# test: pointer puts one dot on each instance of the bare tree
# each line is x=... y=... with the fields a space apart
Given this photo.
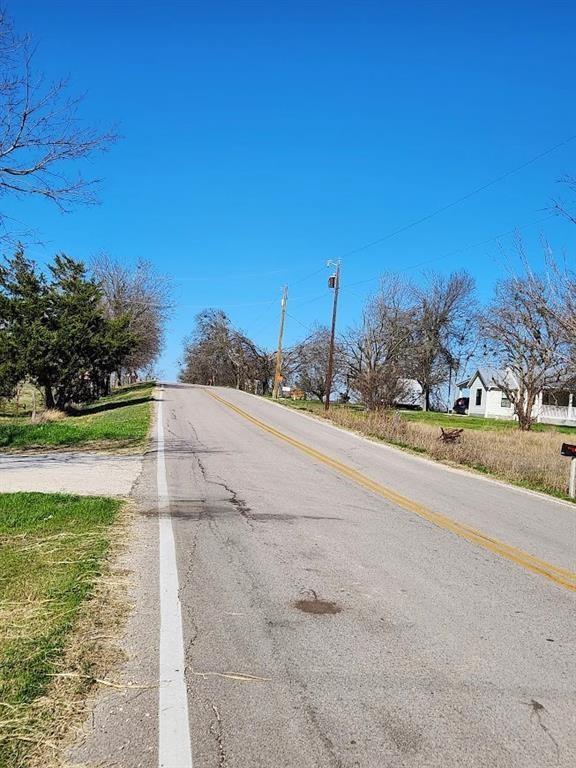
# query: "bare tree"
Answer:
x=376 y=351
x=443 y=314
x=310 y=363
x=560 y=296
x=40 y=131
x=558 y=299
x=206 y=352
x=219 y=354
x=561 y=301
x=567 y=210
x=527 y=342
x=253 y=365
x=144 y=297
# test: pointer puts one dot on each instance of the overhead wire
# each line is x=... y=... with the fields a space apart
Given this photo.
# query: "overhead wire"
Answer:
x=303 y=301
x=308 y=328
x=460 y=199
x=456 y=251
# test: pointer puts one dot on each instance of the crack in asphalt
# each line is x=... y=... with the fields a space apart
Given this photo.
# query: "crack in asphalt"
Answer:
x=216 y=731
x=236 y=501
x=537 y=710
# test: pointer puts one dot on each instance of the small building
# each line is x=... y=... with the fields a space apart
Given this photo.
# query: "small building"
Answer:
x=411 y=397
x=486 y=395
x=488 y=398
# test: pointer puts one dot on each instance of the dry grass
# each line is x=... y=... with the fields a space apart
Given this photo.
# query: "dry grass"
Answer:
x=529 y=459
x=48 y=416
x=46 y=725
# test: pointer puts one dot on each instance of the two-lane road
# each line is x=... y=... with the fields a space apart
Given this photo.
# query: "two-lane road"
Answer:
x=341 y=603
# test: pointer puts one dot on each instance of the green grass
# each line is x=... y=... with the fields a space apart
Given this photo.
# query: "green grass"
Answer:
x=450 y=420
x=446 y=420
x=315 y=406
x=51 y=551
x=120 y=420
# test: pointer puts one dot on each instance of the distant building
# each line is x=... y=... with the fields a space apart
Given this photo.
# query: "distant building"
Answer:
x=488 y=399
x=412 y=395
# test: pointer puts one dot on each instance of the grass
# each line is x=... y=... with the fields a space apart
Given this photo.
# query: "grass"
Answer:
x=118 y=421
x=23 y=403
x=452 y=420
x=52 y=549
x=446 y=420
x=491 y=446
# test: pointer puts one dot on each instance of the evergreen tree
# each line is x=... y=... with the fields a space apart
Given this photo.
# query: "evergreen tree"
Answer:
x=54 y=332
x=24 y=335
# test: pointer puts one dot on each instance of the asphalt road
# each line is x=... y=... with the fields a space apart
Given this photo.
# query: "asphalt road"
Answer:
x=342 y=604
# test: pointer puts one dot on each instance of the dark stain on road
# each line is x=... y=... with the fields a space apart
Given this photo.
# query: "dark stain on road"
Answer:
x=316 y=606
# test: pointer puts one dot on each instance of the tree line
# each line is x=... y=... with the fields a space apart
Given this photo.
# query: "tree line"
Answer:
x=406 y=332
x=70 y=329
x=431 y=332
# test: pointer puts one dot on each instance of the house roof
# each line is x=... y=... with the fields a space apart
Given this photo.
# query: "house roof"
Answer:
x=491 y=378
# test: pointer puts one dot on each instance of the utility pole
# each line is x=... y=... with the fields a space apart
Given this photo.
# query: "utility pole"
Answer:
x=334 y=283
x=278 y=371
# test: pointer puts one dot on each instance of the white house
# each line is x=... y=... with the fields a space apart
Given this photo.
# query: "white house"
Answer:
x=487 y=398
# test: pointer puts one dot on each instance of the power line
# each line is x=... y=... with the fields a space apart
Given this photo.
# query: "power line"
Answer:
x=460 y=199
x=308 y=328
x=263 y=317
x=456 y=251
x=221 y=278
x=312 y=274
x=246 y=275
x=310 y=301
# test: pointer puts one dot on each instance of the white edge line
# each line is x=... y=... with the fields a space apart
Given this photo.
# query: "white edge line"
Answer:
x=174 y=745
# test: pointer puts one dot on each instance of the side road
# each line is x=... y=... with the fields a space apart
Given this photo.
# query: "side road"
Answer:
x=91 y=474
x=97 y=453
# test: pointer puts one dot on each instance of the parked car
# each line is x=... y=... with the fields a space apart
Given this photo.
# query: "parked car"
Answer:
x=461 y=405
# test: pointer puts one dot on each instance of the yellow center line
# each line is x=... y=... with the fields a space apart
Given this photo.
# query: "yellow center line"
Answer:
x=561 y=576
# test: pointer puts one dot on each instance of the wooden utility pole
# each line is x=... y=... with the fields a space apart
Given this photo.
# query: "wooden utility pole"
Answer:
x=278 y=371
x=333 y=282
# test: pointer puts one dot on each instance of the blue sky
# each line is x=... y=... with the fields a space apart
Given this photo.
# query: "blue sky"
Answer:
x=263 y=138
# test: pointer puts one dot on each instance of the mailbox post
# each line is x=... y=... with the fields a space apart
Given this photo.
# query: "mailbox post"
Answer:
x=570 y=450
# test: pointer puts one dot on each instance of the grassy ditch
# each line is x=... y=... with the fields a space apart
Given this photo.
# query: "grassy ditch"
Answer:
x=118 y=421
x=52 y=552
x=491 y=446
